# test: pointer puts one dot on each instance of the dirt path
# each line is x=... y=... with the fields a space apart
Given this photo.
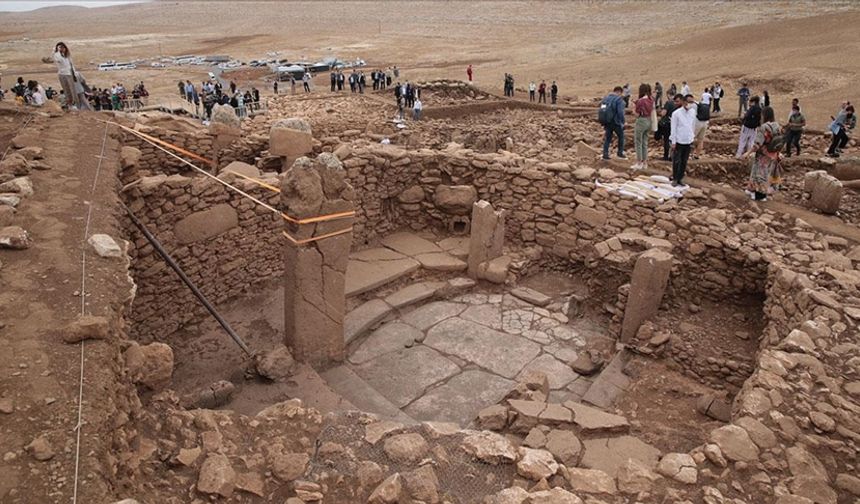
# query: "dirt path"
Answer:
x=41 y=292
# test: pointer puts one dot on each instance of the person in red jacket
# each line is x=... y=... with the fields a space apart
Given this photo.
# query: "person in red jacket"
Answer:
x=469 y=73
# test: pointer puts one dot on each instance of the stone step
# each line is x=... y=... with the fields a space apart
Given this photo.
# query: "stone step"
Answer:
x=610 y=383
x=363 y=318
x=354 y=389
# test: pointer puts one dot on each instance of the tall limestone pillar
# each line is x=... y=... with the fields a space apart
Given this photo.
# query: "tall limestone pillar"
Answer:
x=315 y=272
x=487 y=236
x=647 y=286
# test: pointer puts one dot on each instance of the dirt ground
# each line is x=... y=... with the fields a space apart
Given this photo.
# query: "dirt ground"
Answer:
x=794 y=49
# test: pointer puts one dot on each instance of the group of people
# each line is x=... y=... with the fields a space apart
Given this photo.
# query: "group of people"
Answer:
x=408 y=96
x=211 y=92
x=29 y=93
x=683 y=123
x=534 y=89
x=117 y=97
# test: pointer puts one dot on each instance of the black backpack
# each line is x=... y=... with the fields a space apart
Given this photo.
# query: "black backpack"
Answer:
x=606 y=113
x=703 y=112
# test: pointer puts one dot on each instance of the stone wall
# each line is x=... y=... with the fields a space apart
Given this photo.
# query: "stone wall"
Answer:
x=155 y=161
x=224 y=242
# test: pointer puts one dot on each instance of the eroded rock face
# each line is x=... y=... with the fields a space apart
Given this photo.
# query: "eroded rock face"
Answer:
x=490 y=447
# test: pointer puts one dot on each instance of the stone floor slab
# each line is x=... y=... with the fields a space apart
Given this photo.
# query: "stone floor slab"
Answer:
x=363 y=317
x=457 y=246
x=593 y=420
x=440 y=261
x=409 y=244
x=414 y=293
x=609 y=454
x=609 y=384
x=390 y=337
x=460 y=399
x=402 y=376
x=362 y=276
x=432 y=313
x=531 y=296
x=358 y=392
x=489 y=315
x=498 y=352
x=558 y=373
x=376 y=254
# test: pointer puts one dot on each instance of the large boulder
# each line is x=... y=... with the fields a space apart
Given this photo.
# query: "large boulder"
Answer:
x=150 y=365
x=290 y=138
x=16 y=164
x=455 y=200
x=14 y=237
x=224 y=114
x=826 y=194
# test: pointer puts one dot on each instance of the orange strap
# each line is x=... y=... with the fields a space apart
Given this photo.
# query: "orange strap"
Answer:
x=169 y=145
x=316 y=238
x=258 y=182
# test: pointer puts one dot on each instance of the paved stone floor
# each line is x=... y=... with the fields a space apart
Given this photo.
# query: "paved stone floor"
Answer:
x=446 y=360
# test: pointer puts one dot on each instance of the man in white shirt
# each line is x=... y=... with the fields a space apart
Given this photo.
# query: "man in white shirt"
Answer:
x=682 y=136
x=685 y=89
x=706 y=97
x=417 y=107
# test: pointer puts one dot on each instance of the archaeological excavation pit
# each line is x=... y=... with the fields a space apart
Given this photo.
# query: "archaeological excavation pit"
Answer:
x=490 y=321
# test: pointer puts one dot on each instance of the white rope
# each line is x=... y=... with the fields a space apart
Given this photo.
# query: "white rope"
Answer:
x=79 y=425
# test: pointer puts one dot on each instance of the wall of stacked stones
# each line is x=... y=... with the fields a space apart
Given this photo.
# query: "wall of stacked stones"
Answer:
x=557 y=206
x=224 y=242
x=154 y=160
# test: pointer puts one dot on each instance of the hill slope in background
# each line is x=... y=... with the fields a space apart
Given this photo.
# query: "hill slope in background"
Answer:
x=801 y=49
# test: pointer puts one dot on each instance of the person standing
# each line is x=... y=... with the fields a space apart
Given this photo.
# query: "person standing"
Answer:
x=333 y=80
x=658 y=95
x=340 y=80
x=612 y=118
x=65 y=73
x=766 y=98
x=542 y=92
x=764 y=169
x=685 y=89
x=794 y=129
x=743 y=99
x=511 y=84
x=718 y=93
x=673 y=90
x=361 y=82
x=644 y=106
x=553 y=92
x=664 y=126
x=468 y=72
x=681 y=137
x=306 y=82
x=842 y=125
x=417 y=107
x=292 y=84
x=626 y=95
x=751 y=122
x=532 y=88
x=275 y=87
x=703 y=120
x=232 y=87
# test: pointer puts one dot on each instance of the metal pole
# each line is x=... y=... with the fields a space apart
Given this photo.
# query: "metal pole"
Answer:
x=199 y=295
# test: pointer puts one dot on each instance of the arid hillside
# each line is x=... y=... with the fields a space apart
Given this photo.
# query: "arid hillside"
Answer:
x=793 y=49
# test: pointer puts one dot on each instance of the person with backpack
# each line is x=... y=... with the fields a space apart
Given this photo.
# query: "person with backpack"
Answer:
x=765 y=170
x=644 y=106
x=682 y=137
x=751 y=122
x=794 y=129
x=844 y=123
x=664 y=125
x=611 y=116
x=717 y=93
x=743 y=99
x=703 y=120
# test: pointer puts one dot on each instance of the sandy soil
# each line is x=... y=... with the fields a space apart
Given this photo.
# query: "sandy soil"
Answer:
x=794 y=49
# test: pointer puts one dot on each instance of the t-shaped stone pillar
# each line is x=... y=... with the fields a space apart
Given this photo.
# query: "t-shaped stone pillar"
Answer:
x=487 y=235
x=647 y=286
x=315 y=272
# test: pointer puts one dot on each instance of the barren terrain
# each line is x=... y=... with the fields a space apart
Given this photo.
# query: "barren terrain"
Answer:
x=794 y=49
